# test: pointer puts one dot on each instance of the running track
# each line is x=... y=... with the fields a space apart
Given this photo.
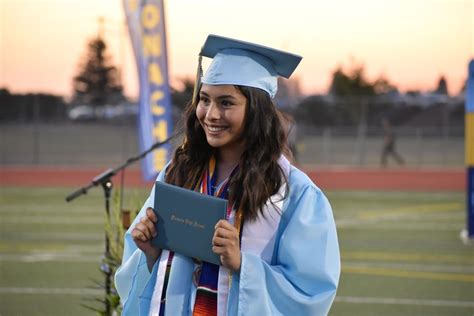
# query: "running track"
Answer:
x=333 y=179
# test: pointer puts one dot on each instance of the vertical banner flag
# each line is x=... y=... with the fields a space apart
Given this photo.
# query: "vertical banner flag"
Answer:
x=469 y=148
x=146 y=24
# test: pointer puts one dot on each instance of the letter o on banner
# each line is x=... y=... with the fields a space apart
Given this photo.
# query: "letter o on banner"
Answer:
x=150 y=16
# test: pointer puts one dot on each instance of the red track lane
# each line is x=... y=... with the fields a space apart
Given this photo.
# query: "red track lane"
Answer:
x=333 y=179
x=395 y=179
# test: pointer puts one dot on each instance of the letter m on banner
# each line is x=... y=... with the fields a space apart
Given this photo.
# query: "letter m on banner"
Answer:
x=146 y=24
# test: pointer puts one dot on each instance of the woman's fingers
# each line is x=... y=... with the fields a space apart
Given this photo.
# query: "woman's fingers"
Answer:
x=225 y=243
x=150 y=225
x=151 y=215
x=145 y=229
x=224 y=225
x=221 y=251
x=219 y=232
x=138 y=234
x=226 y=237
x=225 y=230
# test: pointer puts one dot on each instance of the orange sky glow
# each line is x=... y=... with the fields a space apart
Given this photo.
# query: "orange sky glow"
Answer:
x=410 y=42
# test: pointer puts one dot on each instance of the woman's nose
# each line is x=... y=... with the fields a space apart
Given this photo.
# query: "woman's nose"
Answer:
x=213 y=111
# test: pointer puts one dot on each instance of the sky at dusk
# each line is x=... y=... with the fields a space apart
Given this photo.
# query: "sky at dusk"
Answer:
x=410 y=42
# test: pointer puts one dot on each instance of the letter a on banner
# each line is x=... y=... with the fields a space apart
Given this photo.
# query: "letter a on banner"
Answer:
x=146 y=24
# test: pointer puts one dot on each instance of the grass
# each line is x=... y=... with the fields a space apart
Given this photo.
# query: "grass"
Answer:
x=401 y=252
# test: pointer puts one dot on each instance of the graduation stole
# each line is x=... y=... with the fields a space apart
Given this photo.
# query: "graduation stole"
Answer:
x=206 y=275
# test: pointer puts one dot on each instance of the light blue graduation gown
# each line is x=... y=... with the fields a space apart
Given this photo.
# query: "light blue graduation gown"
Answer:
x=300 y=279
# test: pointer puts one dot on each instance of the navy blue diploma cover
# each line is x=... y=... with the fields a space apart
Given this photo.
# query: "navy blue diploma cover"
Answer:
x=186 y=221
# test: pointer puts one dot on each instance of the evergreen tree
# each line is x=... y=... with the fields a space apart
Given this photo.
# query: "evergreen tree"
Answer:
x=442 y=86
x=98 y=81
x=353 y=83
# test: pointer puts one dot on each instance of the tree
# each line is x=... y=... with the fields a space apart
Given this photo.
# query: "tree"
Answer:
x=288 y=94
x=181 y=97
x=353 y=83
x=315 y=111
x=30 y=107
x=442 y=86
x=98 y=82
x=383 y=86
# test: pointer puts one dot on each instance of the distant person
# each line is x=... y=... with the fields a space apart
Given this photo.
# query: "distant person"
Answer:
x=389 y=145
x=278 y=245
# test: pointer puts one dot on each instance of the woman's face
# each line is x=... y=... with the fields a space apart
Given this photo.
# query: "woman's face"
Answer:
x=221 y=112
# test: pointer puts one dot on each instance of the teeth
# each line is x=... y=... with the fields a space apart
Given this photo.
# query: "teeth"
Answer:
x=215 y=129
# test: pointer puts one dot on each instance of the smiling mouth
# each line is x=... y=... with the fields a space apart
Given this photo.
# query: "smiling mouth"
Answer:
x=215 y=129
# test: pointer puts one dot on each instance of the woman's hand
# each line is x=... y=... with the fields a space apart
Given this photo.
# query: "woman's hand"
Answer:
x=142 y=234
x=226 y=244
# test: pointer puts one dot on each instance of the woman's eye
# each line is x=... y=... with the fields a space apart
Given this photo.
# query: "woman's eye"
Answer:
x=226 y=103
x=204 y=99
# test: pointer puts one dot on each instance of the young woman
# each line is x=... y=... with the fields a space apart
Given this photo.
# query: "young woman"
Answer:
x=278 y=246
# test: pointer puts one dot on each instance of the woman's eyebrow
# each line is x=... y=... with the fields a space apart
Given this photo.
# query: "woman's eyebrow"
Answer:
x=226 y=96
x=220 y=97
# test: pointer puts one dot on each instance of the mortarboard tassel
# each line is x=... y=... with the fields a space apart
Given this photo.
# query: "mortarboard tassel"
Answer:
x=197 y=82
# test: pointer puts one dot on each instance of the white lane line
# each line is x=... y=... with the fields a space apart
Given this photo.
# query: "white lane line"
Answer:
x=77 y=257
x=344 y=299
x=402 y=301
x=412 y=266
x=52 y=220
x=24 y=248
x=49 y=291
x=69 y=236
x=408 y=227
x=50 y=257
x=394 y=222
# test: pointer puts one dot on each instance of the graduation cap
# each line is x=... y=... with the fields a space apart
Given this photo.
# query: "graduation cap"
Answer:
x=245 y=64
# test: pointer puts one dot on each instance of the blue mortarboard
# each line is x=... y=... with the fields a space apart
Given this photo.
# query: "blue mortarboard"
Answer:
x=246 y=64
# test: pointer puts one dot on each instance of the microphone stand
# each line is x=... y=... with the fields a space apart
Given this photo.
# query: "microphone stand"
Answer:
x=105 y=181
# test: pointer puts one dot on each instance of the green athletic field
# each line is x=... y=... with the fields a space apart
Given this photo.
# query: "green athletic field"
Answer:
x=401 y=252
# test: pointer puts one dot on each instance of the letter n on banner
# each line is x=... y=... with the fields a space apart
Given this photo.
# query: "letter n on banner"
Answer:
x=146 y=24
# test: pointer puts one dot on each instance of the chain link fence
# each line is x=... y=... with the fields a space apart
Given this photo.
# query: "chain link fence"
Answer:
x=106 y=143
x=363 y=147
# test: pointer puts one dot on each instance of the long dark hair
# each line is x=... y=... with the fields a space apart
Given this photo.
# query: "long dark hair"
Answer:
x=259 y=175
